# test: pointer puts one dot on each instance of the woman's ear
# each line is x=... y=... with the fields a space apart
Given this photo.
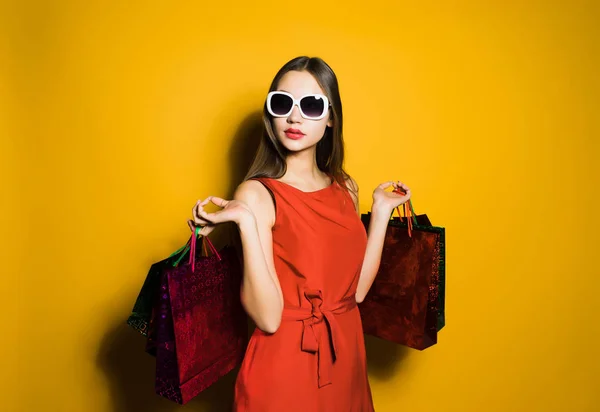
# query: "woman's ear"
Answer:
x=330 y=121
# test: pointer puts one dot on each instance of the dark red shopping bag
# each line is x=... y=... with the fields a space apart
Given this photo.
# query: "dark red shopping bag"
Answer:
x=406 y=301
x=201 y=326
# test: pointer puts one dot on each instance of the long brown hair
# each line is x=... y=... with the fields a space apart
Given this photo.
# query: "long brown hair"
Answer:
x=269 y=160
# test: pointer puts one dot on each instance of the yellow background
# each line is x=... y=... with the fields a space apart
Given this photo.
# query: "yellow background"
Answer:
x=117 y=116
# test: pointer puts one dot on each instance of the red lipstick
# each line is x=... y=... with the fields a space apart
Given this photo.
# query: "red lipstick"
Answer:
x=294 y=134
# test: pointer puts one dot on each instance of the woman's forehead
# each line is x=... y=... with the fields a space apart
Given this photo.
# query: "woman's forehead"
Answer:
x=299 y=83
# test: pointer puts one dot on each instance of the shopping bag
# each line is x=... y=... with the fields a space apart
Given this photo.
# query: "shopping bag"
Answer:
x=141 y=314
x=423 y=222
x=201 y=326
x=407 y=299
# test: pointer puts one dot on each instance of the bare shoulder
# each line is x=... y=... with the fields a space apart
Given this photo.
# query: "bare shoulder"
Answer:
x=351 y=183
x=353 y=186
x=258 y=198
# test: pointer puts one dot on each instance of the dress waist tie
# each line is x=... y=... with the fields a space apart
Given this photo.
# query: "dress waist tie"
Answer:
x=320 y=331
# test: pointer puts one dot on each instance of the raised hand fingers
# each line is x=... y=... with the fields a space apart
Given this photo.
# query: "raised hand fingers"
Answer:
x=202 y=217
x=218 y=201
x=399 y=185
x=206 y=229
x=211 y=218
x=198 y=212
x=402 y=190
x=198 y=203
x=385 y=185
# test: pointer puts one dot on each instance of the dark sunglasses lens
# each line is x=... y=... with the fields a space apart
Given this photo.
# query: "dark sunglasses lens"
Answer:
x=312 y=106
x=281 y=104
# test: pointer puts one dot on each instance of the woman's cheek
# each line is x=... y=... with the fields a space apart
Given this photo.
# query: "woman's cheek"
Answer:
x=319 y=131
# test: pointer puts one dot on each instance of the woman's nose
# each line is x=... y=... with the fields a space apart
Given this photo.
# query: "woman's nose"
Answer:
x=295 y=114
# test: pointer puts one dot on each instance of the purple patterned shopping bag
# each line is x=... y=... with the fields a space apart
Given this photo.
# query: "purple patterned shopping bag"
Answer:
x=201 y=326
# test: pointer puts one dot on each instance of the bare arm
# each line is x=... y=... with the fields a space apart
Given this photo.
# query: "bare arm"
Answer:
x=261 y=292
x=375 y=237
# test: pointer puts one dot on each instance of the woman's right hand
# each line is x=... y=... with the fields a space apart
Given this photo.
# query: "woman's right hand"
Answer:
x=233 y=211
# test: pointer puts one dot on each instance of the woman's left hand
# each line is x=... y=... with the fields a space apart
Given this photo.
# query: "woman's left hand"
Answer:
x=387 y=201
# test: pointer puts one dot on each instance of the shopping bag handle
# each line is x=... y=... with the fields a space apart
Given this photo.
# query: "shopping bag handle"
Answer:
x=205 y=239
x=409 y=211
x=191 y=244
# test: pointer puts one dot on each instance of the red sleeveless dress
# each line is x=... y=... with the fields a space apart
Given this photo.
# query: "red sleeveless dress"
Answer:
x=316 y=361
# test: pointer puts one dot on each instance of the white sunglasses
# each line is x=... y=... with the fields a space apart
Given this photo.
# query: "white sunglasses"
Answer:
x=312 y=106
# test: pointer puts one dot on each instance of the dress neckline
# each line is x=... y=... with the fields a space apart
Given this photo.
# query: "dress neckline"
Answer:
x=302 y=191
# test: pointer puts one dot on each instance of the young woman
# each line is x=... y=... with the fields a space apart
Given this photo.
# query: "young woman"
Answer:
x=307 y=258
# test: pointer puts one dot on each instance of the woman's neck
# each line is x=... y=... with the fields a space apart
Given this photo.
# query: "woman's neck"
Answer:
x=303 y=167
